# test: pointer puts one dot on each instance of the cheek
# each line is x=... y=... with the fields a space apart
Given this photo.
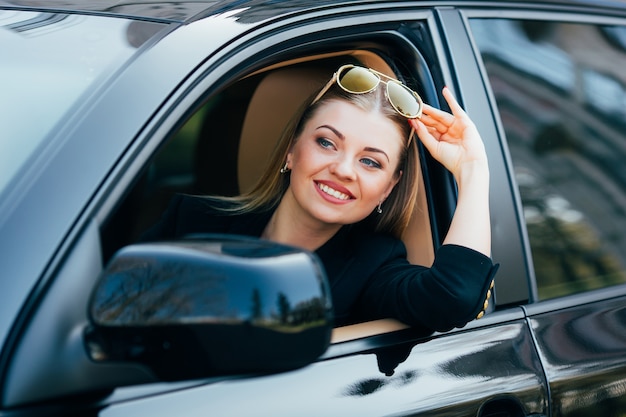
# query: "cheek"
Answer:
x=373 y=185
x=305 y=154
x=295 y=153
x=387 y=186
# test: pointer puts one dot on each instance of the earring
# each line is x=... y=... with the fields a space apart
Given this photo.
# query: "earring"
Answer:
x=379 y=209
x=285 y=168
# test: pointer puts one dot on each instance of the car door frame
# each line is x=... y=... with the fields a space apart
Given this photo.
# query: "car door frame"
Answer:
x=96 y=207
x=375 y=344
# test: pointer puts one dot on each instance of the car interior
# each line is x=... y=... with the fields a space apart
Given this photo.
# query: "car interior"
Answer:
x=223 y=147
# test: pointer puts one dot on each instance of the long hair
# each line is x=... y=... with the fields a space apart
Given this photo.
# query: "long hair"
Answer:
x=272 y=185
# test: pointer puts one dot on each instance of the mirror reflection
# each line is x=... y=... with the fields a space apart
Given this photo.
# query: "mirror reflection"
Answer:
x=210 y=282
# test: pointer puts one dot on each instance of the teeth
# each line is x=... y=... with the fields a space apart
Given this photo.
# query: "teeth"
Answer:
x=333 y=192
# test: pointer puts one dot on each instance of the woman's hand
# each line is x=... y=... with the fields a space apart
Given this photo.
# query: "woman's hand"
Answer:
x=452 y=139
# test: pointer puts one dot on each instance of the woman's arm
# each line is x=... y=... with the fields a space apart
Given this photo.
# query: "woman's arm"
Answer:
x=454 y=141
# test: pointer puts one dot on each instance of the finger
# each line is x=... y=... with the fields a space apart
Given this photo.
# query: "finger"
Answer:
x=414 y=124
x=429 y=141
x=437 y=128
x=418 y=124
x=436 y=114
x=435 y=123
x=454 y=105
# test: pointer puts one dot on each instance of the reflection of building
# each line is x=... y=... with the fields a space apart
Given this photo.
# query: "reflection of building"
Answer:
x=564 y=113
x=37 y=21
x=173 y=10
x=49 y=61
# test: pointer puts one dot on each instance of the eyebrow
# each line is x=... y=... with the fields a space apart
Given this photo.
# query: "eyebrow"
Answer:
x=342 y=137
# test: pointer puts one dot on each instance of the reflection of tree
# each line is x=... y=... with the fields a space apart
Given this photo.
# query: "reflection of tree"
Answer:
x=138 y=32
x=257 y=306
x=567 y=252
x=136 y=292
x=309 y=311
x=284 y=308
x=306 y=312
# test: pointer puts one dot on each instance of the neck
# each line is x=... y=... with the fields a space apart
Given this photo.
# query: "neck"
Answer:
x=286 y=227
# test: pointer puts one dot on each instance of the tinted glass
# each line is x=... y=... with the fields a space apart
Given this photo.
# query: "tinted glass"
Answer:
x=561 y=93
x=48 y=62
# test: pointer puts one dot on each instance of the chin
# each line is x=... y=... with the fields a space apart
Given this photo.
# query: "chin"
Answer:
x=339 y=219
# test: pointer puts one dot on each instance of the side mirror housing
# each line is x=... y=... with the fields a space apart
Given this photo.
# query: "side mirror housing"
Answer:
x=210 y=306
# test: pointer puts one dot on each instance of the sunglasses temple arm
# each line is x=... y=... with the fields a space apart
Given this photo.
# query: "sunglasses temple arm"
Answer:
x=325 y=89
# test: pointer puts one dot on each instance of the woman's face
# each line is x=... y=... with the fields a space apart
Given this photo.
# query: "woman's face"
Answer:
x=344 y=163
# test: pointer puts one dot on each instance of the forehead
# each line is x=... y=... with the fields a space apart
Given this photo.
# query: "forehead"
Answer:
x=368 y=128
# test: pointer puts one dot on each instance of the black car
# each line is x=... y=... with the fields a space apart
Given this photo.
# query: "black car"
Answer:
x=109 y=108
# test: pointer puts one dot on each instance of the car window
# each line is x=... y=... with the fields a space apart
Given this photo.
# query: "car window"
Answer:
x=560 y=89
x=241 y=124
x=49 y=60
x=238 y=124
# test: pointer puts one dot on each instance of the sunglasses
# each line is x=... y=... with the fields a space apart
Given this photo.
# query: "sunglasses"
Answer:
x=360 y=80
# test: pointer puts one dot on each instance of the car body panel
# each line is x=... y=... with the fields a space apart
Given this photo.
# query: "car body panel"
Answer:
x=51 y=218
x=457 y=369
x=251 y=10
x=583 y=349
x=90 y=142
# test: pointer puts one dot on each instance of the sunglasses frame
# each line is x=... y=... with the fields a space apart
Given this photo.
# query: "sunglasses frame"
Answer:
x=379 y=75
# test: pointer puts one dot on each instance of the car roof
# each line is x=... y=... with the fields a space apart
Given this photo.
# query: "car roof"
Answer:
x=189 y=10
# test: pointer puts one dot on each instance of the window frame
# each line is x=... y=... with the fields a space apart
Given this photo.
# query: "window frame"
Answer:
x=287 y=43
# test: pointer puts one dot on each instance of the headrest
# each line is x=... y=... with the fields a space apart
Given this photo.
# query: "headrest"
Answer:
x=277 y=98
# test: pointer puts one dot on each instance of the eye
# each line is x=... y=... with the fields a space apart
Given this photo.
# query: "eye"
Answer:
x=325 y=143
x=370 y=163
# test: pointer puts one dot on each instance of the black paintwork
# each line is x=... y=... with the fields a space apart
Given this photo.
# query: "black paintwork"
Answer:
x=562 y=358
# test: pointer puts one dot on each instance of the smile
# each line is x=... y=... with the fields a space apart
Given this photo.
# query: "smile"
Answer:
x=332 y=192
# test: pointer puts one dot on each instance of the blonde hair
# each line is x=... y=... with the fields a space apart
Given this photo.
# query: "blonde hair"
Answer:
x=272 y=185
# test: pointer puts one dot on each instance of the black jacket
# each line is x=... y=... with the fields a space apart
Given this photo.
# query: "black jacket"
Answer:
x=368 y=272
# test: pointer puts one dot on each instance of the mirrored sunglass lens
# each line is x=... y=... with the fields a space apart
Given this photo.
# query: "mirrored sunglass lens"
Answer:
x=358 y=80
x=403 y=100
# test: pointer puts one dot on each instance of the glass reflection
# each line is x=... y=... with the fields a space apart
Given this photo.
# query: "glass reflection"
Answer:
x=49 y=61
x=208 y=282
x=561 y=94
x=218 y=306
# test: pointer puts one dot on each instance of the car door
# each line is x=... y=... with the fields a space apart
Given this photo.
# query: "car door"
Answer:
x=560 y=89
x=490 y=366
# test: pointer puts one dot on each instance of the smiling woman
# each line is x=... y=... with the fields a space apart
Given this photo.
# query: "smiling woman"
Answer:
x=342 y=182
x=342 y=170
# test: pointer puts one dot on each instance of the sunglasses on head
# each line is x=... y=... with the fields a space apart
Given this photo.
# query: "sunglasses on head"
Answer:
x=360 y=80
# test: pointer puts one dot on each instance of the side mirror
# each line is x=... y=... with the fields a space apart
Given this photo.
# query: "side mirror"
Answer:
x=210 y=306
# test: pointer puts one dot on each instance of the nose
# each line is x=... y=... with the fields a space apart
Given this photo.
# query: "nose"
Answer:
x=343 y=168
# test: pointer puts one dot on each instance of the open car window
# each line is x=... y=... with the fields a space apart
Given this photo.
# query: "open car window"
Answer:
x=223 y=148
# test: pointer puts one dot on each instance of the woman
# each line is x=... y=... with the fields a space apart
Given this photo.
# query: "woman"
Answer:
x=342 y=183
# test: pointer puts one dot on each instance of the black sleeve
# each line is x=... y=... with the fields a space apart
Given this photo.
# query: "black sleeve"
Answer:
x=449 y=294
